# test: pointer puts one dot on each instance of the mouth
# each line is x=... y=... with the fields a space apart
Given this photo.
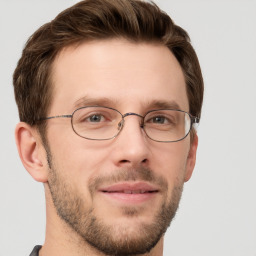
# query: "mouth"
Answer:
x=131 y=193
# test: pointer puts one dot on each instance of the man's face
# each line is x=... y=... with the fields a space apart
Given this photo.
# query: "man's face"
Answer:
x=119 y=195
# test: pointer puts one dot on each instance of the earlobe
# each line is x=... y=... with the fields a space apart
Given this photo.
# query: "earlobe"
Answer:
x=191 y=160
x=31 y=151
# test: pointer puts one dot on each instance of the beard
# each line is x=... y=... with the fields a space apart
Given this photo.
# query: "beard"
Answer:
x=113 y=239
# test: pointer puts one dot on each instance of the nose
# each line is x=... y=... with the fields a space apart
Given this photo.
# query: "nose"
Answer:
x=131 y=146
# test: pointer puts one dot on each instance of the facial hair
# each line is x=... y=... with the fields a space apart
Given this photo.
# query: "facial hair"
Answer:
x=112 y=239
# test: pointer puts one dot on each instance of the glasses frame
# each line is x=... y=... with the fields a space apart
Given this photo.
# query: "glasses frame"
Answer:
x=193 y=120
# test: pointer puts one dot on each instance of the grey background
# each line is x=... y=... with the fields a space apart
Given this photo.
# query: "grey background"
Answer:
x=217 y=215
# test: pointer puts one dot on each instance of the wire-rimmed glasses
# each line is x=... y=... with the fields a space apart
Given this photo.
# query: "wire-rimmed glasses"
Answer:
x=105 y=123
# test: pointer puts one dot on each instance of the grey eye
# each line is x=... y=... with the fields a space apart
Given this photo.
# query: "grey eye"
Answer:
x=159 y=120
x=95 y=118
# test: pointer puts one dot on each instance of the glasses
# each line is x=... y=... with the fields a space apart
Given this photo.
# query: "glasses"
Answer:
x=104 y=123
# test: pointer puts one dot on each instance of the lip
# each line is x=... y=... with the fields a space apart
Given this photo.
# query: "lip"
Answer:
x=130 y=192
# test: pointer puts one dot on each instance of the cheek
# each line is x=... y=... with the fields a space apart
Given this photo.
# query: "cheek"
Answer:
x=77 y=158
x=170 y=162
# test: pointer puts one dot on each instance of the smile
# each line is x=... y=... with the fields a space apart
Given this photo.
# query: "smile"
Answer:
x=130 y=193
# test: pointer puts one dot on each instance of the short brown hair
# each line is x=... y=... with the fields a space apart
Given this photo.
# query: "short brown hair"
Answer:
x=88 y=20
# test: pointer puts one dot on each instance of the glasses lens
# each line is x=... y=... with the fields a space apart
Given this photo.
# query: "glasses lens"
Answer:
x=167 y=125
x=96 y=123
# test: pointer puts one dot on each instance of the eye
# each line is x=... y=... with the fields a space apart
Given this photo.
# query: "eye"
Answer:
x=161 y=118
x=95 y=118
x=158 y=120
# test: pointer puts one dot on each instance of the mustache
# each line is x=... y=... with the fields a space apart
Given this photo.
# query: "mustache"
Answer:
x=128 y=174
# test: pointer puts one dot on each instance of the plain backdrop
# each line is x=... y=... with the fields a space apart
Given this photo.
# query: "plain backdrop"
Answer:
x=217 y=214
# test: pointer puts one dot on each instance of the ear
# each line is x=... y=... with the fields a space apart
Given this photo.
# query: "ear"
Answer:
x=31 y=151
x=191 y=160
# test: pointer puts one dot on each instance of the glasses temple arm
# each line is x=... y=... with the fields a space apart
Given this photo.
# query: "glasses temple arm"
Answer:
x=51 y=117
x=195 y=119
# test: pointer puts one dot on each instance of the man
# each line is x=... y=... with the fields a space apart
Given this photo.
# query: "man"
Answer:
x=108 y=93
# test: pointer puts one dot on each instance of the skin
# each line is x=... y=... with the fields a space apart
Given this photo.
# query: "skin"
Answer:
x=131 y=77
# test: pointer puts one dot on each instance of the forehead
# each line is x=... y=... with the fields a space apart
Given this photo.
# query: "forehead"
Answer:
x=119 y=73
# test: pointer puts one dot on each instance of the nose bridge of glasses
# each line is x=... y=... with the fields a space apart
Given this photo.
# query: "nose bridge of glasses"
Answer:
x=121 y=123
x=134 y=114
x=131 y=114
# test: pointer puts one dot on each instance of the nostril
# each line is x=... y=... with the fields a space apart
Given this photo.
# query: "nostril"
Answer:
x=127 y=161
x=124 y=161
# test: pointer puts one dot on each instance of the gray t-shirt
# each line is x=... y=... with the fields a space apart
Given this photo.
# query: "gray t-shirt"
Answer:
x=35 y=250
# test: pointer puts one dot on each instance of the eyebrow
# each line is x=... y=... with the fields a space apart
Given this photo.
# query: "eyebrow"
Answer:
x=86 y=101
x=110 y=102
x=162 y=104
